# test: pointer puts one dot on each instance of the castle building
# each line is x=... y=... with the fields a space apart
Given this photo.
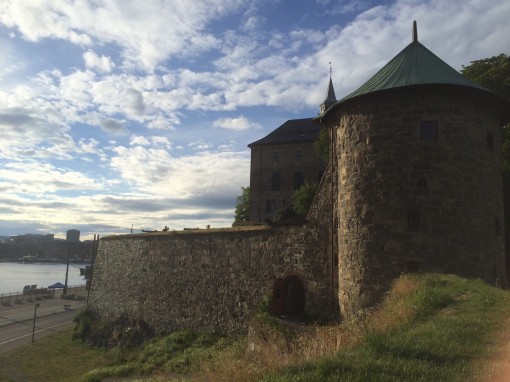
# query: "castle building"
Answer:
x=413 y=184
x=283 y=161
x=416 y=177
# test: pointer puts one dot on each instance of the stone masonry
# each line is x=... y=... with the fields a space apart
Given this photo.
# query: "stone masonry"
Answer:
x=404 y=203
x=211 y=280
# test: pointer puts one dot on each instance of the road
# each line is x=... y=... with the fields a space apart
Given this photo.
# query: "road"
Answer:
x=16 y=322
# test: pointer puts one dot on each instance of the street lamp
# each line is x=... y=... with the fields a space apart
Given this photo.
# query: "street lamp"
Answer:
x=67 y=268
x=35 y=315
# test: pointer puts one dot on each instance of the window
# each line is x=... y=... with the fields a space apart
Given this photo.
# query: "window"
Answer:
x=490 y=141
x=275 y=181
x=299 y=180
x=413 y=220
x=276 y=156
x=268 y=206
x=299 y=155
x=429 y=130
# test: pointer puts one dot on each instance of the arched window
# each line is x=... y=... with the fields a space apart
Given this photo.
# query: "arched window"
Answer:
x=275 y=181
x=299 y=180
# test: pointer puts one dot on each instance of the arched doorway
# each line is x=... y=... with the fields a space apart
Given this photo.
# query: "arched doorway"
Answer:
x=288 y=297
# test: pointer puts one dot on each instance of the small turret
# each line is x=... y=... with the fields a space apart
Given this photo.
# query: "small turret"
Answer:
x=330 y=95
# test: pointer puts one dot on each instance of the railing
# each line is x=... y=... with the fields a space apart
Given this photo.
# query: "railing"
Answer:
x=7 y=299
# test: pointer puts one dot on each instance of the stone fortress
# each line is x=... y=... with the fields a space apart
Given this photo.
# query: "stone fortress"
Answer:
x=413 y=184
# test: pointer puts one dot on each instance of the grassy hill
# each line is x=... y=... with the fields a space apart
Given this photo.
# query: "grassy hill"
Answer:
x=430 y=328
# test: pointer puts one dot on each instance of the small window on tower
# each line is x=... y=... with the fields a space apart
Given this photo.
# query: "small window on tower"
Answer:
x=276 y=156
x=429 y=130
x=299 y=155
x=413 y=220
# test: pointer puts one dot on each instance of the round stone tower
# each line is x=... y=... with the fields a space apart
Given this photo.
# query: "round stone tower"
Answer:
x=417 y=177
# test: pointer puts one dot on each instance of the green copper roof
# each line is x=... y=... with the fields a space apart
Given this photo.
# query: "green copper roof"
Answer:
x=414 y=65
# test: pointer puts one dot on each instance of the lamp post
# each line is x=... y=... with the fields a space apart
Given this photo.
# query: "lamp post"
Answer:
x=67 y=268
x=35 y=315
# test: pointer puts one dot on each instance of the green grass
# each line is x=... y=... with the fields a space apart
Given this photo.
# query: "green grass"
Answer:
x=429 y=328
x=453 y=325
x=55 y=358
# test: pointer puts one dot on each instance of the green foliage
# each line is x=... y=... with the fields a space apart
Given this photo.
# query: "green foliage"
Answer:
x=284 y=214
x=321 y=145
x=83 y=324
x=492 y=73
x=242 y=213
x=303 y=197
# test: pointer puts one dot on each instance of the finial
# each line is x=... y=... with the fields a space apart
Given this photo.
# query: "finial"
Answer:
x=415 y=31
x=330 y=69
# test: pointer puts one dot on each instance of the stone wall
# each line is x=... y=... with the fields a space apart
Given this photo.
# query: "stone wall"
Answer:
x=410 y=204
x=209 y=279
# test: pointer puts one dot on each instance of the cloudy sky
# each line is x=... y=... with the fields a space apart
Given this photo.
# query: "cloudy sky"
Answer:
x=128 y=113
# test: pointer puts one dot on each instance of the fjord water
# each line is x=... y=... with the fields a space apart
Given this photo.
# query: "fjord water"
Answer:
x=14 y=276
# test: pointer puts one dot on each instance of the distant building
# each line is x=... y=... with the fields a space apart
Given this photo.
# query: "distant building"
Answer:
x=283 y=161
x=73 y=236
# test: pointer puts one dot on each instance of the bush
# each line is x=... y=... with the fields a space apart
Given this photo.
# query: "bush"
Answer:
x=84 y=321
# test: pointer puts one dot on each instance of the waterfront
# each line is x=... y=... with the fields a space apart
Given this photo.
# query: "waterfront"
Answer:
x=14 y=276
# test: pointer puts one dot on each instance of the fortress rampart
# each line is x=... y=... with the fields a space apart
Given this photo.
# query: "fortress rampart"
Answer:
x=215 y=279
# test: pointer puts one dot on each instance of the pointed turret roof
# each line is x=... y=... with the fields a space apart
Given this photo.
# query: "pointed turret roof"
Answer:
x=414 y=65
x=330 y=94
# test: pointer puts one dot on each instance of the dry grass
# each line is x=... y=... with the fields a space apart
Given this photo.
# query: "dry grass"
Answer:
x=272 y=346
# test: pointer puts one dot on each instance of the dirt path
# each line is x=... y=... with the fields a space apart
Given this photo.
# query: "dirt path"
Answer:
x=496 y=367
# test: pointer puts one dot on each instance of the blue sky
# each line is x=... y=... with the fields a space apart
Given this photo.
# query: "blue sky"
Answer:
x=117 y=113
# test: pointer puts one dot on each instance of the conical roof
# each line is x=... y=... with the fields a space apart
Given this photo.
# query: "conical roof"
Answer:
x=330 y=95
x=330 y=99
x=414 y=65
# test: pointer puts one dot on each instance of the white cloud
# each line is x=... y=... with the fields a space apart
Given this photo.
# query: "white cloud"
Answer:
x=36 y=178
x=199 y=144
x=237 y=124
x=93 y=61
x=175 y=68
x=156 y=172
x=137 y=27
x=139 y=141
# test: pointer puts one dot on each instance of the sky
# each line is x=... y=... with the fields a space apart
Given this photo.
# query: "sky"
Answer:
x=130 y=114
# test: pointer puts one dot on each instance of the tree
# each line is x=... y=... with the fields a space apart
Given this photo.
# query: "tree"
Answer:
x=321 y=145
x=491 y=73
x=303 y=197
x=494 y=74
x=242 y=214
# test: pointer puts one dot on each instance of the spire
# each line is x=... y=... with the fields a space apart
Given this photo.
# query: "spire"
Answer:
x=415 y=31
x=330 y=95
